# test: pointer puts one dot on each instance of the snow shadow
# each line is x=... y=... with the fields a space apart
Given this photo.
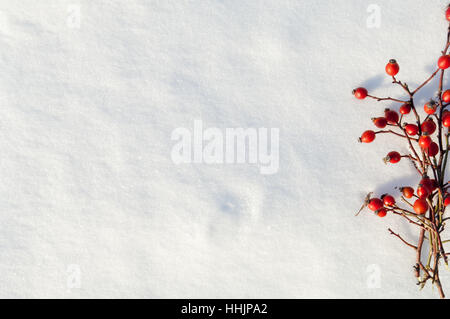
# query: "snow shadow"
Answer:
x=373 y=82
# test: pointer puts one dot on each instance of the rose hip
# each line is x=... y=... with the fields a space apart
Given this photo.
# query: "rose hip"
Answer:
x=392 y=157
x=392 y=67
x=428 y=127
x=360 y=93
x=405 y=108
x=407 y=191
x=379 y=122
x=375 y=204
x=420 y=206
x=391 y=116
x=411 y=129
x=388 y=200
x=367 y=137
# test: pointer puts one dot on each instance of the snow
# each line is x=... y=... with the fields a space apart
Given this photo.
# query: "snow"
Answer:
x=92 y=204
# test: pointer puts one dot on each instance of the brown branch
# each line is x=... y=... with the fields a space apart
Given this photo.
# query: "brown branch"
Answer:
x=419 y=250
x=426 y=82
x=404 y=241
x=385 y=99
x=409 y=219
x=395 y=133
x=433 y=222
x=403 y=85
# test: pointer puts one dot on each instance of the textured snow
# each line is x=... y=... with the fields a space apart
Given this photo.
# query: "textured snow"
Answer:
x=88 y=186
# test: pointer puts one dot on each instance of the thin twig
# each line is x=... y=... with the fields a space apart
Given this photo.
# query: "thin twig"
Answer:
x=404 y=241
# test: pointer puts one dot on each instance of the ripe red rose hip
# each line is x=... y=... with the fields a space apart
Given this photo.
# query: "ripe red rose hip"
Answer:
x=381 y=212
x=426 y=201
x=360 y=93
x=391 y=116
x=447 y=201
x=420 y=206
x=375 y=204
x=446 y=96
x=407 y=191
x=434 y=185
x=425 y=141
x=405 y=108
x=446 y=119
x=393 y=157
x=433 y=149
x=388 y=200
x=426 y=181
x=444 y=62
x=428 y=127
x=392 y=67
x=367 y=137
x=430 y=107
x=422 y=191
x=379 y=122
x=411 y=129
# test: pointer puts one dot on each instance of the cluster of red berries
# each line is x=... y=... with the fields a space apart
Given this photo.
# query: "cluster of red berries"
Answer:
x=424 y=140
x=429 y=143
x=380 y=206
x=427 y=128
x=426 y=187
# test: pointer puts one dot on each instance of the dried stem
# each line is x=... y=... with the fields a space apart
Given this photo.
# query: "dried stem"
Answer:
x=433 y=223
x=404 y=241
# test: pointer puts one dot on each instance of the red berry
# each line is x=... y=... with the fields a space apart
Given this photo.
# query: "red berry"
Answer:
x=408 y=192
x=420 y=206
x=447 y=200
x=425 y=141
x=392 y=67
x=411 y=129
x=405 y=108
x=428 y=127
x=367 y=137
x=447 y=13
x=375 y=204
x=393 y=157
x=422 y=191
x=360 y=93
x=391 y=116
x=381 y=212
x=379 y=122
x=433 y=149
x=426 y=182
x=446 y=96
x=388 y=200
x=430 y=107
x=434 y=185
x=430 y=184
x=444 y=62
x=446 y=119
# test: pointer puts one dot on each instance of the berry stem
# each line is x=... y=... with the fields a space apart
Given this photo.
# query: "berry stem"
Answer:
x=425 y=83
x=395 y=133
x=419 y=250
x=427 y=212
x=404 y=241
x=385 y=99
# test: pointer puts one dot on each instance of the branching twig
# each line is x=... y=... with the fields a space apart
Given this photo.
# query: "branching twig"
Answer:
x=427 y=212
x=404 y=241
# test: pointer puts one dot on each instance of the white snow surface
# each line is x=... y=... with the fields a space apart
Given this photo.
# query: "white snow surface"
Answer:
x=86 y=176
